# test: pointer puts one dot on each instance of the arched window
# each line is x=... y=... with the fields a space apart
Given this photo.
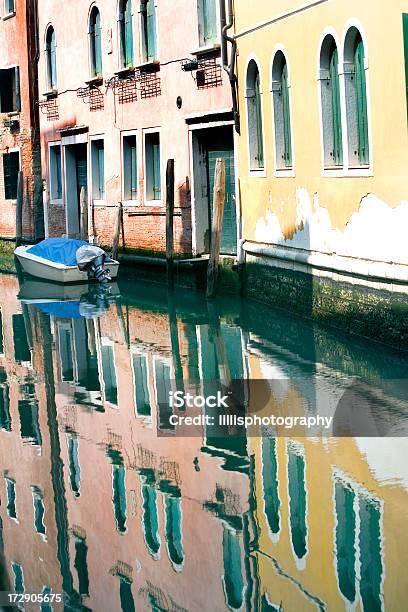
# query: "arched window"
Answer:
x=356 y=99
x=254 y=109
x=126 y=33
x=95 y=42
x=51 y=58
x=281 y=112
x=330 y=103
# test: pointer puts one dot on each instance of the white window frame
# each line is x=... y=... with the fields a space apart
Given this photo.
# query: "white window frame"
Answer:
x=126 y=202
x=142 y=61
x=281 y=172
x=147 y=202
x=91 y=173
x=217 y=43
x=8 y=13
x=255 y=172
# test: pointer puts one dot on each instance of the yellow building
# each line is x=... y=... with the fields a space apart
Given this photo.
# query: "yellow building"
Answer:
x=323 y=156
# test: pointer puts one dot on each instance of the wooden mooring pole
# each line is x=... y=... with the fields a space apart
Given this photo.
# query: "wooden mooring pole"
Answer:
x=119 y=221
x=19 y=208
x=169 y=222
x=216 y=230
x=83 y=206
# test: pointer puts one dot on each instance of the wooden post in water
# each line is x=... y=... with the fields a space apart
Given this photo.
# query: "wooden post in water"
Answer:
x=216 y=230
x=83 y=207
x=115 y=246
x=169 y=222
x=19 y=208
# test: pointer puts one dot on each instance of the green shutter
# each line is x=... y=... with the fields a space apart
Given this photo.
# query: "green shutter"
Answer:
x=133 y=171
x=259 y=155
x=287 y=144
x=209 y=21
x=151 y=31
x=101 y=172
x=98 y=44
x=405 y=35
x=53 y=61
x=128 y=34
x=156 y=172
x=361 y=95
x=17 y=94
x=58 y=174
x=335 y=109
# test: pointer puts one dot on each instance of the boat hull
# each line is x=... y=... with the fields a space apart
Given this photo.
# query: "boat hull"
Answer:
x=56 y=272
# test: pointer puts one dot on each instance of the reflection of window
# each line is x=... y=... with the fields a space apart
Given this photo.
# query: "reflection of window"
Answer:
x=174 y=535
x=126 y=33
x=297 y=498
x=11 y=167
x=51 y=58
x=371 y=568
x=45 y=606
x=150 y=518
x=39 y=510
x=129 y=167
x=149 y=42
x=1 y=334
x=98 y=169
x=163 y=387
x=152 y=161
x=81 y=565
x=11 y=498
x=95 y=42
x=5 y=418
x=74 y=466
x=10 y=99
x=21 y=349
x=254 y=112
x=270 y=484
x=109 y=373
x=142 y=397
x=345 y=539
x=119 y=497
x=55 y=172
x=66 y=353
x=18 y=577
x=356 y=98
x=233 y=581
x=28 y=411
x=207 y=22
x=330 y=103
x=126 y=597
x=9 y=7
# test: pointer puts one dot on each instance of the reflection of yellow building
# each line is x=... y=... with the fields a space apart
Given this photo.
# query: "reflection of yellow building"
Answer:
x=323 y=148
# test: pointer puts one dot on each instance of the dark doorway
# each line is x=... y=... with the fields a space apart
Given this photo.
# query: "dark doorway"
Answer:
x=76 y=173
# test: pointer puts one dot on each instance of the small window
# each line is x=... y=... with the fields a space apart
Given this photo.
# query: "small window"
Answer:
x=130 y=168
x=98 y=169
x=119 y=497
x=22 y=353
x=207 y=22
x=254 y=110
x=281 y=111
x=55 y=172
x=29 y=422
x=11 y=498
x=11 y=167
x=74 y=465
x=149 y=42
x=330 y=103
x=10 y=99
x=126 y=596
x=18 y=578
x=126 y=33
x=39 y=510
x=142 y=397
x=95 y=42
x=81 y=565
x=356 y=99
x=162 y=374
x=9 y=7
x=5 y=417
x=153 y=172
x=297 y=498
x=51 y=58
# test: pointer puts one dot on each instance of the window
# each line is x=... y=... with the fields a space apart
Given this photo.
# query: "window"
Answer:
x=174 y=533
x=29 y=423
x=254 y=110
x=233 y=581
x=5 y=417
x=74 y=465
x=66 y=353
x=152 y=160
x=127 y=603
x=345 y=533
x=81 y=565
x=98 y=169
x=270 y=485
x=95 y=42
x=142 y=398
x=51 y=58
x=129 y=168
x=109 y=373
x=150 y=517
x=55 y=172
x=330 y=103
x=126 y=33
x=207 y=22
x=356 y=99
x=297 y=499
x=22 y=352
x=11 y=167
x=11 y=498
x=9 y=7
x=10 y=99
x=119 y=497
x=39 y=510
x=162 y=373
x=148 y=23
x=18 y=578
x=281 y=112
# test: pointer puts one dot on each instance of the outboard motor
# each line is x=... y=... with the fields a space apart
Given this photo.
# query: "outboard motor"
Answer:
x=91 y=259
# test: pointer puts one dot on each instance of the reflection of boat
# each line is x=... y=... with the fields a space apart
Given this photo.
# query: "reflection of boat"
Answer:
x=56 y=260
x=69 y=301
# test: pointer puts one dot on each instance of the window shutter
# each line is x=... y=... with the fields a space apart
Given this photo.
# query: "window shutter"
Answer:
x=210 y=21
x=335 y=108
x=259 y=155
x=101 y=171
x=287 y=150
x=53 y=62
x=405 y=35
x=133 y=172
x=156 y=172
x=151 y=31
x=98 y=44
x=361 y=95
x=17 y=88
x=128 y=35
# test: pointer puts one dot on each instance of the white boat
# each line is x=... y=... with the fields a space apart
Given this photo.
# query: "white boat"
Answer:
x=49 y=270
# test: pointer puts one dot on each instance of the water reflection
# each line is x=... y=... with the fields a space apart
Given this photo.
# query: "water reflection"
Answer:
x=103 y=499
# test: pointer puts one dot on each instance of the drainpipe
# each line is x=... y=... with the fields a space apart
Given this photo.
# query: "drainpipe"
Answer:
x=229 y=68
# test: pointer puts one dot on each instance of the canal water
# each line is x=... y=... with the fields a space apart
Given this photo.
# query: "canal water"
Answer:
x=107 y=501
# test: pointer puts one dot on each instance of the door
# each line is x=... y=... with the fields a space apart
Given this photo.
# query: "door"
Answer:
x=76 y=169
x=229 y=225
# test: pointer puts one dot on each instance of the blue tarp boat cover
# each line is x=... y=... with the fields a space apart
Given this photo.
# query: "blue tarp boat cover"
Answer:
x=59 y=250
x=64 y=310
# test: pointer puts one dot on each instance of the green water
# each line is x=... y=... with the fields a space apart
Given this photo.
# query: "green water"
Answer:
x=106 y=501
